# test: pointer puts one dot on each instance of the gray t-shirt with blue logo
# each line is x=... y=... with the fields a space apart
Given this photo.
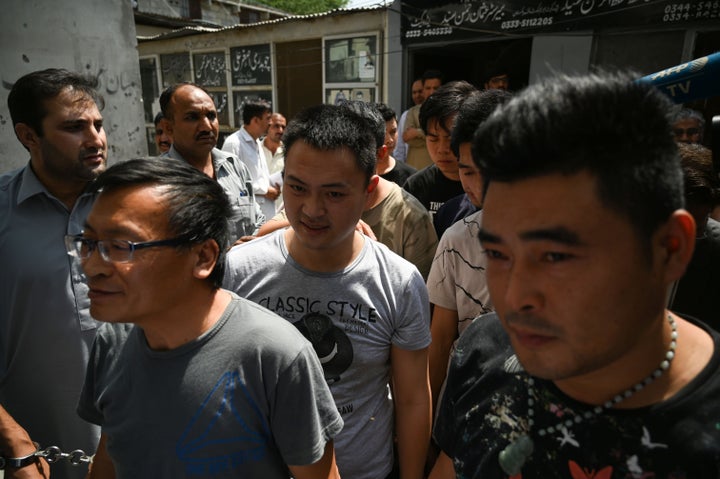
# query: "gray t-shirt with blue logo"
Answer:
x=245 y=399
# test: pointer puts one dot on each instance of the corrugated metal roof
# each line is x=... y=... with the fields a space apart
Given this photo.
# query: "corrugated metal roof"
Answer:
x=187 y=31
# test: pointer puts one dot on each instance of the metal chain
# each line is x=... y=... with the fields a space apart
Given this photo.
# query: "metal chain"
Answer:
x=54 y=454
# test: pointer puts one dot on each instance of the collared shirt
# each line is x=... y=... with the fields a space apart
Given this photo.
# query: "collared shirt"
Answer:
x=275 y=161
x=400 y=152
x=235 y=179
x=247 y=149
x=46 y=331
x=276 y=165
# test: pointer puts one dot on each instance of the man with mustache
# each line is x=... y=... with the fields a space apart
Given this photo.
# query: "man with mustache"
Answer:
x=192 y=122
x=163 y=141
x=45 y=326
x=583 y=371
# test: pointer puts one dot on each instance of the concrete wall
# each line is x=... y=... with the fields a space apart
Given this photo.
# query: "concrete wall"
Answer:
x=90 y=36
x=393 y=91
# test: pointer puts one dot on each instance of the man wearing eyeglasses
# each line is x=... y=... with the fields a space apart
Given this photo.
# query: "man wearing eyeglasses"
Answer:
x=45 y=327
x=188 y=379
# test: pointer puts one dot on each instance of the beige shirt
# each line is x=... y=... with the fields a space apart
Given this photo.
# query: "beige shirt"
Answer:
x=417 y=154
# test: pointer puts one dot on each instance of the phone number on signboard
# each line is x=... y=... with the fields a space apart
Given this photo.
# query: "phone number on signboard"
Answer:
x=428 y=32
x=526 y=22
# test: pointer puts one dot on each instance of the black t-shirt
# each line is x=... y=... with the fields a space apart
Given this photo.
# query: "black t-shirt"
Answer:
x=432 y=188
x=400 y=173
x=697 y=290
x=452 y=211
x=485 y=408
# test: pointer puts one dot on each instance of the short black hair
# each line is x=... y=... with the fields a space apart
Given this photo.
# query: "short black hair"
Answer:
x=333 y=127
x=386 y=112
x=494 y=68
x=197 y=207
x=475 y=110
x=27 y=97
x=167 y=94
x=254 y=107
x=444 y=103
x=702 y=185
x=431 y=74
x=370 y=113
x=606 y=124
x=158 y=117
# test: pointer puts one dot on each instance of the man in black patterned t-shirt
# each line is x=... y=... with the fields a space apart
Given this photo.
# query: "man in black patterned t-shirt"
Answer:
x=582 y=371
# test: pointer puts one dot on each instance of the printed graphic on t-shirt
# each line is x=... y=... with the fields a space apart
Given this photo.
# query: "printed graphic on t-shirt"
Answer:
x=576 y=439
x=328 y=325
x=331 y=344
x=208 y=446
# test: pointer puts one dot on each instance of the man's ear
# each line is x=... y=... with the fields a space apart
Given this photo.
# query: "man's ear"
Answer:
x=27 y=136
x=676 y=243
x=374 y=180
x=372 y=186
x=207 y=255
x=382 y=151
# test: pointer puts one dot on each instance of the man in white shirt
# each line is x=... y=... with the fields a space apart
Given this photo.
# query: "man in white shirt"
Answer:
x=272 y=148
x=244 y=145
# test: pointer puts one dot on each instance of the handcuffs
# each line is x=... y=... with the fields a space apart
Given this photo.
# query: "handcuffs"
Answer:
x=20 y=462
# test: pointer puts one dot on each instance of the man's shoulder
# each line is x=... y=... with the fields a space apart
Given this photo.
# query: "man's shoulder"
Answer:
x=485 y=330
x=405 y=168
x=484 y=345
x=412 y=118
x=464 y=229
x=379 y=254
x=262 y=247
x=412 y=205
x=262 y=324
x=228 y=159
x=232 y=138
x=424 y=176
x=10 y=178
x=456 y=201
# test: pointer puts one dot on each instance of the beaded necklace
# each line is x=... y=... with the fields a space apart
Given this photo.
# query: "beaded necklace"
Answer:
x=514 y=456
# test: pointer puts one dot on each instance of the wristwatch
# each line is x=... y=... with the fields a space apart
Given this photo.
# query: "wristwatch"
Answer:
x=18 y=462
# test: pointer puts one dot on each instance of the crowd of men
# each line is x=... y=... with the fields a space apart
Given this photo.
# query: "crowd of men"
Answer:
x=507 y=292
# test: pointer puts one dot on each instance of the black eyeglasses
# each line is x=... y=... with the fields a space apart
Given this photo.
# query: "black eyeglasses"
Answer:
x=111 y=250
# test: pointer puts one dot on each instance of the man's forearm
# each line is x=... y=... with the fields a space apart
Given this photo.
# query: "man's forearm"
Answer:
x=412 y=422
x=15 y=442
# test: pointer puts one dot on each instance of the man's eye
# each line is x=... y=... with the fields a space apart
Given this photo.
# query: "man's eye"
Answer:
x=117 y=245
x=554 y=257
x=494 y=254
